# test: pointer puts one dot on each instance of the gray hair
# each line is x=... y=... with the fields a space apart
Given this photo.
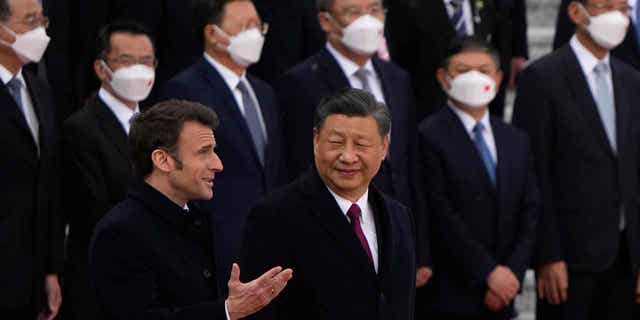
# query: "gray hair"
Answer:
x=353 y=103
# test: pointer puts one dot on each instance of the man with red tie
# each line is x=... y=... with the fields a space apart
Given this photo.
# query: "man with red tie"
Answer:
x=352 y=245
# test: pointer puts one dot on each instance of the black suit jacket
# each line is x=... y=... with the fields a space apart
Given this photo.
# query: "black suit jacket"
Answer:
x=301 y=227
x=97 y=170
x=244 y=180
x=31 y=232
x=583 y=183
x=294 y=35
x=300 y=91
x=419 y=33
x=628 y=51
x=476 y=226
x=151 y=260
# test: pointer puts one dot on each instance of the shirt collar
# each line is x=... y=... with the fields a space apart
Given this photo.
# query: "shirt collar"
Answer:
x=348 y=67
x=6 y=75
x=229 y=77
x=468 y=121
x=122 y=112
x=586 y=59
x=344 y=204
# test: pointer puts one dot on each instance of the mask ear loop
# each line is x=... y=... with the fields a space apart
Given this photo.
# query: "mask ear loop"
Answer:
x=106 y=68
x=335 y=23
x=224 y=34
x=11 y=32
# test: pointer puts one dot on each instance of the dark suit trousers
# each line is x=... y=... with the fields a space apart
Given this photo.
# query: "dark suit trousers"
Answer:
x=487 y=316
x=21 y=313
x=595 y=296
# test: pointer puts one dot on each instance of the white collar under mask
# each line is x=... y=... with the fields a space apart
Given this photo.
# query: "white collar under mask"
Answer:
x=362 y=35
x=133 y=83
x=29 y=46
x=245 y=47
x=473 y=89
x=607 y=29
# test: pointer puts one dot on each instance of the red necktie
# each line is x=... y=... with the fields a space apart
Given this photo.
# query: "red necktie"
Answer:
x=354 y=213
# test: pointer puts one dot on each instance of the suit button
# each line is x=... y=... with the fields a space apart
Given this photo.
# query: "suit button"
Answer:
x=198 y=223
x=206 y=273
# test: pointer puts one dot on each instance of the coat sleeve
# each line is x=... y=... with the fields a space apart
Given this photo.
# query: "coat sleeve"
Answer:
x=533 y=113
x=125 y=282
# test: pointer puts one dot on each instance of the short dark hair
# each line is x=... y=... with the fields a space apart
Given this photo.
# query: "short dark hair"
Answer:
x=353 y=103
x=160 y=127
x=470 y=44
x=206 y=12
x=103 y=41
x=324 y=5
x=5 y=10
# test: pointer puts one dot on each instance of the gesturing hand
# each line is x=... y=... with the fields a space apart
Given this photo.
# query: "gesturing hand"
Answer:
x=248 y=298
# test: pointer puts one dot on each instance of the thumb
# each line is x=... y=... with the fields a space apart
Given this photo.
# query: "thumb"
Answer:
x=235 y=273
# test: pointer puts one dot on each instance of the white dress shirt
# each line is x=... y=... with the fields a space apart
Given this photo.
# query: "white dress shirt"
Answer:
x=588 y=62
x=466 y=13
x=28 y=111
x=367 y=221
x=232 y=80
x=469 y=122
x=350 y=68
x=122 y=112
x=632 y=10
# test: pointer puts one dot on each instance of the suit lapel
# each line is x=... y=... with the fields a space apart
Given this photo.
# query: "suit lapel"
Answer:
x=326 y=211
x=382 y=215
x=622 y=109
x=505 y=160
x=460 y=136
x=331 y=72
x=578 y=84
x=110 y=125
x=229 y=109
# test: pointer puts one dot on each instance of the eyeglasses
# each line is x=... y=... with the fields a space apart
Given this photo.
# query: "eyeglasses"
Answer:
x=127 y=60
x=623 y=7
x=353 y=13
x=263 y=27
x=35 y=22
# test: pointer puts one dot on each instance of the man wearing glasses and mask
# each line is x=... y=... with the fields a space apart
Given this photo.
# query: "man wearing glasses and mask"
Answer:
x=97 y=166
x=233 y=36
x=31 y=233
x=579 y=106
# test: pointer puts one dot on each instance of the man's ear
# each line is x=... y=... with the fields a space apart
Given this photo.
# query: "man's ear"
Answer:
x=441 y=75
x=162 y=161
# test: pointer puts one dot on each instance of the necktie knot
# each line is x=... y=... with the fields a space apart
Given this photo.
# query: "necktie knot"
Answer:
x=478 y=128
x=601 y=68
x=354 y=213
x=14 y=84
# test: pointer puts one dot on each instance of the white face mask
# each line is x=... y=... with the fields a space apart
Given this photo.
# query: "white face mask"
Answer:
x=473 y=89
x=245 y=48
x=363 y=35
x=29 y=46
x=608 y=29
x=132 y=83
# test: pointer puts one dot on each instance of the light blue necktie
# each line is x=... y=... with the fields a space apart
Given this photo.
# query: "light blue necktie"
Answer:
x=635 y=22
x=604 y=102
x=253 y=121
x=485 y=154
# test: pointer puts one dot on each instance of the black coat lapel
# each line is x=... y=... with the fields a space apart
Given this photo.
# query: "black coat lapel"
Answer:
x=326 y=210
x=110 y=125
x=330 y=71
x=470 y=154
x=622 y=108
x=578 y=84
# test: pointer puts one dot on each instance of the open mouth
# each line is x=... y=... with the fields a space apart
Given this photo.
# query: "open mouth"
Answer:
x=209 y=182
